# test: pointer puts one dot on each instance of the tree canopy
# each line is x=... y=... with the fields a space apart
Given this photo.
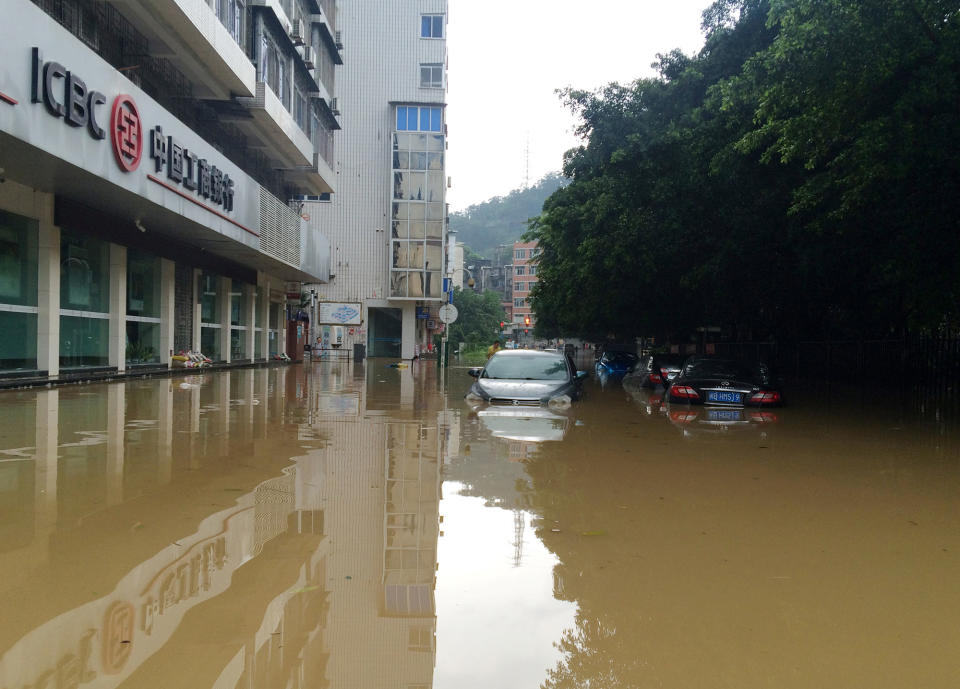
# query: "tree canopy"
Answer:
x=478 y=317
x=797 y=177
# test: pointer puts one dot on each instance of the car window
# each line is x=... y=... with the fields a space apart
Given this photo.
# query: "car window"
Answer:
x=533 y=367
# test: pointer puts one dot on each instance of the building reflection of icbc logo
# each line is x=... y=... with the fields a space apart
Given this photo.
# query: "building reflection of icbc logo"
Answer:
x=117 y=636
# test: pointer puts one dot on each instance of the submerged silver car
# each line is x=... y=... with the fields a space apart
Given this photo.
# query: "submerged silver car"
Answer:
x=528 y=378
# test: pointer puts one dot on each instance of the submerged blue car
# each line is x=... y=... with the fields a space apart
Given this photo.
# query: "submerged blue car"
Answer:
x=616 y=363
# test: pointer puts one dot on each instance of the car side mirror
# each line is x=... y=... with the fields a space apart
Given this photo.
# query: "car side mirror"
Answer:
x=475 y=372
x=582 y=375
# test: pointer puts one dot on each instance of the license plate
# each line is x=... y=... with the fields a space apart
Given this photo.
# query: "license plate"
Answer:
x=724 y=415
x=724 y=397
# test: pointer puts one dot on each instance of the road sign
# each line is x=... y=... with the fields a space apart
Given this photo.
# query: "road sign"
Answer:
x=448 y=313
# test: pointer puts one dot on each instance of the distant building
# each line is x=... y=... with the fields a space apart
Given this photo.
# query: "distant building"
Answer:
x=524 y=278
x=387 y=221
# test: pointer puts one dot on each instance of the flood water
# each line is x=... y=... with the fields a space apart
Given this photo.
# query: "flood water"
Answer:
x=358 y=526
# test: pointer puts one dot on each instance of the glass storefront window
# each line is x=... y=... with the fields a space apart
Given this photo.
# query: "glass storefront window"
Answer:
x=143 y=342
x=18 y=346
x=18 y=260
x=84 y=300
x=18 y=292
x=143 y=308
x=84 y=273
x=83 y=341
x=210 y=342
x=238 y=344
x=238 y=304
x=209 y=302
x=143 y=284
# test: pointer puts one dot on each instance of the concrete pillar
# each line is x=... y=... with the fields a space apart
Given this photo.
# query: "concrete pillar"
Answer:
x=409 y=332
x=223 y=297
x=117 y=349
x=250 y=293
x=48 y=298
x=197 y=311
x=116 y=420
x=168 y=272
x=263 y=305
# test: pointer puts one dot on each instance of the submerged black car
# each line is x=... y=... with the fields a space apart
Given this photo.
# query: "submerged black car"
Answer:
x=654 y=371
x=526 y=377
x=719 y=382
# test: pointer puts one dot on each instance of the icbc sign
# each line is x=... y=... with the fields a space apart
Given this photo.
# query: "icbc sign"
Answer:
x=66 y=96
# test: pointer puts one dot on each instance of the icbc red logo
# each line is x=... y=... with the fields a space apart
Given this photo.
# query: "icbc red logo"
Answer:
x=126 y=133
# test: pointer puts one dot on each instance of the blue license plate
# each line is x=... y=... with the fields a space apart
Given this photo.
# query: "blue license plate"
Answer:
x=724 y=415
x=724 y=397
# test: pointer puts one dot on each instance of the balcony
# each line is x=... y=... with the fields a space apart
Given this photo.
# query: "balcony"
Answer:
x=273 y=129
x=192 y=38
x=317 y=177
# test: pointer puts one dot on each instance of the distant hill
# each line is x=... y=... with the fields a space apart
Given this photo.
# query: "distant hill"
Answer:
x=502 y=219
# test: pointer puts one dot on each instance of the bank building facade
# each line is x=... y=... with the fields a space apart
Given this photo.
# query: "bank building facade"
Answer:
x=167 y=170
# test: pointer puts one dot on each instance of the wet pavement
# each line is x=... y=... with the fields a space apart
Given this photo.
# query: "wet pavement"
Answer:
x=341 y=525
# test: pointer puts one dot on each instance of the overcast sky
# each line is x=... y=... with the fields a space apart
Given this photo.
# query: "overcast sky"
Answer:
x=507 y=57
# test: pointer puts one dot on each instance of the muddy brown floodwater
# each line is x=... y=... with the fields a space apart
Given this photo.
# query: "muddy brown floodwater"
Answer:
x=358 y=526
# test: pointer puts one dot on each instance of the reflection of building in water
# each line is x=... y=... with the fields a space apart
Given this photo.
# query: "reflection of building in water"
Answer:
x=378 y=481
x=141 y=506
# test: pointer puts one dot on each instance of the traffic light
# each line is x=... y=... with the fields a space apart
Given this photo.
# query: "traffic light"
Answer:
x=526 y=320
x=501 y=325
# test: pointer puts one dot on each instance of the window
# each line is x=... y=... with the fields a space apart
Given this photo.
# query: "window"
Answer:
x=534 y=252
x=273 y=69
x=521 y=286
x=414 y=119
x=230 y=14
x=533 y=270
x=18 y=292
x=521 y=270
x=521 y=254
x=431 y=76
x=431 y=26
x=518 y=303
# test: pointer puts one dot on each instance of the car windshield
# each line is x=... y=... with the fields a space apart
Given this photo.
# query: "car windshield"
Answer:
x=619 y=357
x=669 y=360
x=532 y=367
x=718 y=368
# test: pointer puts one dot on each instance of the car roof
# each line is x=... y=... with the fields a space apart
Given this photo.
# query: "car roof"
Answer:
x=528 y=352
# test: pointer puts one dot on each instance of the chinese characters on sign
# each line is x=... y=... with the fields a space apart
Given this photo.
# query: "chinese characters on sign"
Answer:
x=186 y=168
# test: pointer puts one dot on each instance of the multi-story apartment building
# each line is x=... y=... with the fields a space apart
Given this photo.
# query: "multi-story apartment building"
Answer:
x=524 y=278
x=149 y=152
x=387 y=221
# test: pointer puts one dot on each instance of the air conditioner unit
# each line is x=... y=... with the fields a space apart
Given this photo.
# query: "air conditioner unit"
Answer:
x=338 y=39
x=297 y=32
x=308 y=56
x=333 y=107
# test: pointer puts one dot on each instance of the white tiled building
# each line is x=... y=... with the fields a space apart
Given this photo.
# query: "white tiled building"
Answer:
x=387 y=220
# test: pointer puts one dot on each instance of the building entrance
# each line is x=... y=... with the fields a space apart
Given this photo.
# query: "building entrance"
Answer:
x=386 y=329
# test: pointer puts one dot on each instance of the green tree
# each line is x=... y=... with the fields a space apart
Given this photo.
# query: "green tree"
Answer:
x=797 y=177
x=478 y=317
